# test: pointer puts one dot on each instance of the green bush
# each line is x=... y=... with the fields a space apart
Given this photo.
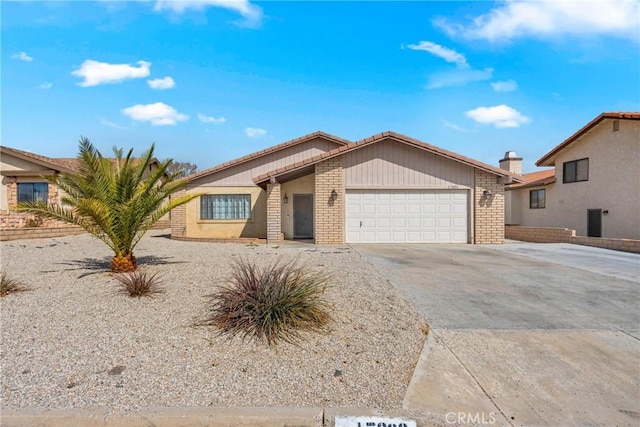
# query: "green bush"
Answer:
x=9 y=286
x=139 y=283
x=270 y=304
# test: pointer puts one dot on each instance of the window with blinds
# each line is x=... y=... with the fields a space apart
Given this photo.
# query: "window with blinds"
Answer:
x=225 y=206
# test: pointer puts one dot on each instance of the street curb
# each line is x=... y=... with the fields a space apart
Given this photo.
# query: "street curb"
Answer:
x=163 y=417
x=198 y=417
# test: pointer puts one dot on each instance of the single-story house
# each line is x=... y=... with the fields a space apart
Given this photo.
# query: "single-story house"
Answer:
x=23 y=179
x=593 y=186
x=387 y=188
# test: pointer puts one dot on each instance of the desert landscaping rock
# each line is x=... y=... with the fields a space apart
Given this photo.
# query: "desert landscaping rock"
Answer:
x=74 y=341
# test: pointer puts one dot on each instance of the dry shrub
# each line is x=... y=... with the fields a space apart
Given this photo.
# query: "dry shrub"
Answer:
x=270 y=304
x=9 y=285
x=139 y=283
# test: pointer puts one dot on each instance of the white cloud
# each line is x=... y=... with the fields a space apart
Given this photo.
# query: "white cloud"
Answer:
x=255 y=132
x=106 y=122
x=161 y=84
x=46 y=85
x=251 y=13
x=458 y=77
x=158 y=114
x=96 y=73
x=500 y=116
x=22 y=56
x=551 y=18
x=211 y=119
x=447 y=54
x=453 y=126
x=506 y=86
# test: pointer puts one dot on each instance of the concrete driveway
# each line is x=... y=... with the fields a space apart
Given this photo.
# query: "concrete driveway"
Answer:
x=522 y=334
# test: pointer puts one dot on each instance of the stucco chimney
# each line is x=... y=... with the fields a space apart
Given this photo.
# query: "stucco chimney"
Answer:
x=511 y=162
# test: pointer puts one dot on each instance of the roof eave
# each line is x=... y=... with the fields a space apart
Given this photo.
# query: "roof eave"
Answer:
x=376 y=138
x=549 y=158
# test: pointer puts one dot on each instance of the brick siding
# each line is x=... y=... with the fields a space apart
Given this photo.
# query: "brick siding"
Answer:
x=488 y=213
x=179 y=216
x=565 y=235
x=274 y=213
x=329 y=214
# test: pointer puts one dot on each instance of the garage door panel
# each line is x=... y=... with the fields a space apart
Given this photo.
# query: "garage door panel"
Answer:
x=384 y=222
x=460 y=209
x=444 y=209
x=388 y=216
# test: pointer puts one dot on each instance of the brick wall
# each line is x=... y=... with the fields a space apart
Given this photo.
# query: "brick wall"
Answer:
x=38 y=233
x=13 y=219
x=179 y=216
x=565 y=235
x=274 y=213
x=329 y=214
x=488 y=212
x=539 y=234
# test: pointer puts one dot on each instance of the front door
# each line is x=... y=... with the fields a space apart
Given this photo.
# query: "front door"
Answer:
x=594 y=223
x=303 y=216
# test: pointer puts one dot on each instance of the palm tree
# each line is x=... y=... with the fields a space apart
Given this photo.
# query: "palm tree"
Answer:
x=116 y=200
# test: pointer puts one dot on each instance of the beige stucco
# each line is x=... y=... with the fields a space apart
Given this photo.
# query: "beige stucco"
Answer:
x=613 y=185
x=256 y=227
x=303 y=185
x=9 y=163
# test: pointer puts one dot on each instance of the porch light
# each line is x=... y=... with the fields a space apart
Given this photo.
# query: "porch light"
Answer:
x=285 y=199
x=334 y=195
x=486 y=194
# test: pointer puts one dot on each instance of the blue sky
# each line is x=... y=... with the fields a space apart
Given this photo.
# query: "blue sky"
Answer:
x=212 y=80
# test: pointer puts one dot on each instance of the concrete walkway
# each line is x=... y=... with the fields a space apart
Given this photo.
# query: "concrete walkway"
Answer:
x=549 y=338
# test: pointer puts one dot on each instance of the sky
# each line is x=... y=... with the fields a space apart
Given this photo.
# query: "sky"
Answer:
x=211 y=80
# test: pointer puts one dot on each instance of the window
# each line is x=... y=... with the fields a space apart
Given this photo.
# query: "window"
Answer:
x=537 y=199
x=33 y=192
x=225 y=206
x=575 y=171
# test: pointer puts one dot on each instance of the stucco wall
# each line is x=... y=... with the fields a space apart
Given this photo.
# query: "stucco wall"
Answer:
x=614 y=180
x=10 y=163
x=304 y=185
x=256 y=227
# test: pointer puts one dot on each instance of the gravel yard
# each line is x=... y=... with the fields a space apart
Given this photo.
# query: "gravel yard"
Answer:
x=74 y=341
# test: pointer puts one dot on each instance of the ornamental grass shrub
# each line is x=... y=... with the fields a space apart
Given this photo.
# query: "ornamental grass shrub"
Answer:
x=270 y=304
x=9 y=285
x=139 y=283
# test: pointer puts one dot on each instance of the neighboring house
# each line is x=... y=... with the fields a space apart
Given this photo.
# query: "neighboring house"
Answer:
x=594 y=186
x=386 y=188
x=23 y=180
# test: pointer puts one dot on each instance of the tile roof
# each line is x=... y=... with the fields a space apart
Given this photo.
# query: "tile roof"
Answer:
x=269 y=150
x=61 y=164
x=535 y=179
x=549 y=158
x=380 y=137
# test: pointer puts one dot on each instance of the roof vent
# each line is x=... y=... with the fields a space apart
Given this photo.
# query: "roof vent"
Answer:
x=510 y=155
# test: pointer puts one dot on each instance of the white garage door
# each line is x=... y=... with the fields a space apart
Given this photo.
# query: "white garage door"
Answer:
x=396 y=216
